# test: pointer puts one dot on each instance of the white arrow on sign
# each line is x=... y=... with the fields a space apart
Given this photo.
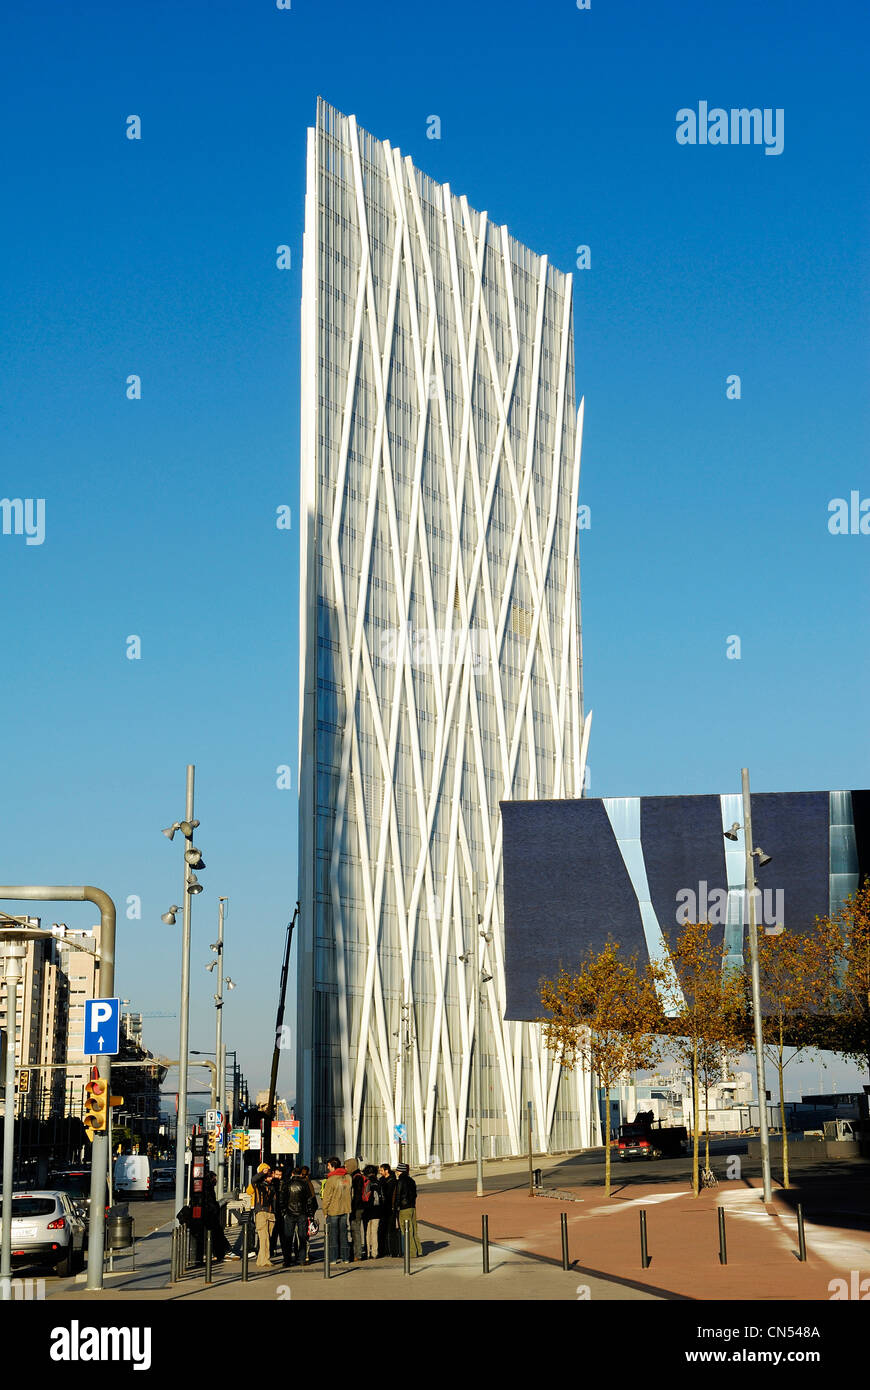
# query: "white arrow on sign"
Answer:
x=100 y=1040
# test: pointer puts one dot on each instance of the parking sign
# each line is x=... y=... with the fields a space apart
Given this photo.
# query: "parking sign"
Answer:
x=102 y=1027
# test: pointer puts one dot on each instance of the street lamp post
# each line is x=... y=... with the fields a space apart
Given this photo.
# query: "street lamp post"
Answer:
x=220 y=1051
x=756 y=990
x=192 y=860
x=474 y=956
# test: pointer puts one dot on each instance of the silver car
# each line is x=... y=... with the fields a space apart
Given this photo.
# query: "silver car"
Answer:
x=47 y=1229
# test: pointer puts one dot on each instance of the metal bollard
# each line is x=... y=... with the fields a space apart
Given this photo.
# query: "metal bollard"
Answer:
x=245 y=1241
x=484 y=1221
x=208 y=1256
x=326 y=1271
x=723 y=1249
x=802 y=1241
x=173 y=1255
x=406 y=1244
x=644 y=1256
x=566 y=1264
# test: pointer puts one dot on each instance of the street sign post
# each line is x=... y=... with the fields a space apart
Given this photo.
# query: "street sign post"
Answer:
x=400 y=1133
x=102 y=1027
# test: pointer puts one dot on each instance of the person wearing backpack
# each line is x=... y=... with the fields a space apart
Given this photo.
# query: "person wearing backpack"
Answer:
x=372 y=1209
x=406 y=1206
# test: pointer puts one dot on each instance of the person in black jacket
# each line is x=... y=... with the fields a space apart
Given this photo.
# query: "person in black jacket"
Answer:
x=296 y=1199
x=406 y=1208
x=372 y=1210
x=388 y=1231
x=211 y=1221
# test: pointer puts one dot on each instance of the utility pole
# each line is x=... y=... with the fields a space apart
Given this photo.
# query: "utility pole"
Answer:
x=756 y=991
x=474 y=956
x=192 y=860
x=478 y=1103
x=405 y=1044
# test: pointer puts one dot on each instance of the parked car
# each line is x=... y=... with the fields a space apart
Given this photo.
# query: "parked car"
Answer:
x=163 y=1179
x=48 y=1228
x=76 y=1183
x=132 y=1176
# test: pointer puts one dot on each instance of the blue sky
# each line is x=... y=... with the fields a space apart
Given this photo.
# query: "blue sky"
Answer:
x=157 y=257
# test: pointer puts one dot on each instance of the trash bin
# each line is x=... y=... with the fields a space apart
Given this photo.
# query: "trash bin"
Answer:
x=538 y=1176
x=119 y=1229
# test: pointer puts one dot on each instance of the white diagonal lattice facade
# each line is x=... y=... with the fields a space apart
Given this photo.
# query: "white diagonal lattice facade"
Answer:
x=440 y=649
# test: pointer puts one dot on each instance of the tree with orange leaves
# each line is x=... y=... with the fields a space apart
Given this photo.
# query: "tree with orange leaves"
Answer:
x=705 y=1006
x=795 y=973
x=846 y=936
x=606 y=1017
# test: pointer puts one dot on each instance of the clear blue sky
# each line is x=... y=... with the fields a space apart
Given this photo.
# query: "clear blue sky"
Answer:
x=157 y=257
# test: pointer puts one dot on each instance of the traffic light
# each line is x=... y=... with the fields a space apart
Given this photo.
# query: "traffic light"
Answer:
x=212 y=1142
x=96 y=1107
x=23 y=1082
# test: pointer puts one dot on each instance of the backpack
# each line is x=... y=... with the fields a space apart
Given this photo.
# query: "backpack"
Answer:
x=371 y=1193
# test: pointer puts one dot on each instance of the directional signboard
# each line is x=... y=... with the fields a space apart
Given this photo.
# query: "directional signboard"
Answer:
x=102 y=1027
x=400 y=1133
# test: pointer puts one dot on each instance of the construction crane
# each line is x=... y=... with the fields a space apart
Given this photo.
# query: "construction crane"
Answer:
x=279 y=1027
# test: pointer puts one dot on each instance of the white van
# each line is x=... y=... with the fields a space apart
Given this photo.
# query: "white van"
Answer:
x=132 y=1176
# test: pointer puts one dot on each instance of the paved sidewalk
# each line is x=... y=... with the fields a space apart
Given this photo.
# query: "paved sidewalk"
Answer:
x=683 y=1238
x=451 y=1269
x=603 y=1235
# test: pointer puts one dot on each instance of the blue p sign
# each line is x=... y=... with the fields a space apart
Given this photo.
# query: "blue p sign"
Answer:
x=102 y=1027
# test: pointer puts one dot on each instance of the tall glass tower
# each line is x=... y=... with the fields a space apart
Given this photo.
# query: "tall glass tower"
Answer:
x=440 y=651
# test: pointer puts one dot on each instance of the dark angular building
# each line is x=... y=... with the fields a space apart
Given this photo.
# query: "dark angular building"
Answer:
x=577 y=873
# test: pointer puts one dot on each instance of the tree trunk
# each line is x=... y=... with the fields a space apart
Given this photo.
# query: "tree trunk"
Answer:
x=781 y=1065
x=706 y=1122
x=695 y=1135
x=607 y=1144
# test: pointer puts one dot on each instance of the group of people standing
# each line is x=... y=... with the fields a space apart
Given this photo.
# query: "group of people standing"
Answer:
x=283 y=1204
x=369 y=1211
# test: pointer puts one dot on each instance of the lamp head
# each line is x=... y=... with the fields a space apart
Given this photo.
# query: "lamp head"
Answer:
x=170 y=830
x=194 y=885
x=732 y=833
x=169 y=917
x=762 y=857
